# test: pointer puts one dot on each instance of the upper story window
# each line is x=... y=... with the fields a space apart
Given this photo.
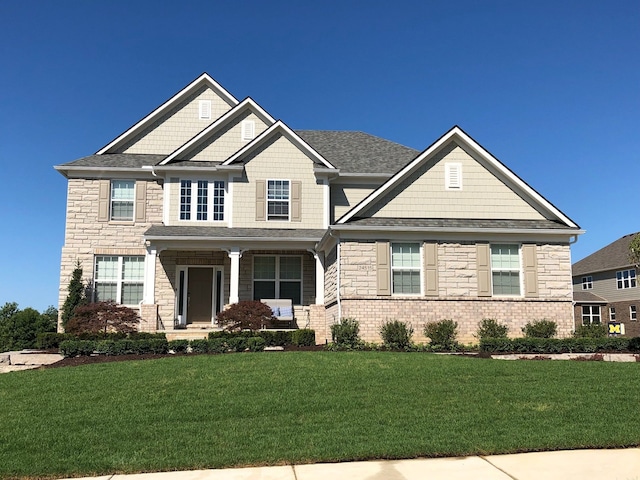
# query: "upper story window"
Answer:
x=505 y=269
x=405 y=268
x=626 y=278
x=119 y=278
x=453 y=176
x=278 y=200
x=587 y=282
x=202 y=200
x=248 y=130
x=122 y=199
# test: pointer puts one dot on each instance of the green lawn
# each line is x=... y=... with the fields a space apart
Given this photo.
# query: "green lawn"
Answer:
x=297 y=407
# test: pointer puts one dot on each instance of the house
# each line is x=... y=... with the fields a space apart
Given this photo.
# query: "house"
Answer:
x=605 y=287
x=209 y=200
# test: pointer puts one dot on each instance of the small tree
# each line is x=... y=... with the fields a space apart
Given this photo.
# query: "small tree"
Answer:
x=19 y=328
x=442 y=334
x=346 y=334
x=634 y=250
x=103 y=317
x=490 y=328
x=396 y=334
x=76 y=295
x=246 y=315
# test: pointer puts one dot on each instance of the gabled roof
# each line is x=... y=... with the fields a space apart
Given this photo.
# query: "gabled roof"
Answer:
x=246 y=104
x=279 y=128
x=202 y=80
x=459 y=136
x=587 y=297
x=358 y=152
x=612 y=257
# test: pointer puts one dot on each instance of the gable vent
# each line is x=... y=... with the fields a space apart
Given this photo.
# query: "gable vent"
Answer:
x=205 y=109
x=453 y=176
x=248 y=129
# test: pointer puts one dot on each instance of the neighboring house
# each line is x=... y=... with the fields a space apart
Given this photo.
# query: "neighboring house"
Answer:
x=209 y=200
x=605 y=288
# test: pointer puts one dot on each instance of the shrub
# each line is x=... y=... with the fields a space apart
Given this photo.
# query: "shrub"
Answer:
x=442 y=334
x=246 y=315
x=490 y=328
x=634 y=344
x=540 y=329
x=346 y=334
x=178 y=346
x=19 y=329
x=237 y=344
x=217 y=345
x=50 y=340
x=255 y=344
x=304 y=337
x=591 y=331
x=74 y=348
x=103 y=317
x=199 y=345
x=76 y=295
x=396 y=334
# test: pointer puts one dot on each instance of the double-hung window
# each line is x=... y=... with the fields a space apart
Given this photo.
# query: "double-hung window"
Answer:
x=612 y=314
x=122 y=199
x=505 y=269
x=405 y=268
x=277 y=277
x=633 y=314
x=278 y=199
x=591 y=315
x=626 y=278
x=204 y=197
x=119 y=278
x=587 y=283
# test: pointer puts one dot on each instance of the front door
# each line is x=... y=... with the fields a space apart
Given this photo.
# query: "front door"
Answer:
x=199 y=294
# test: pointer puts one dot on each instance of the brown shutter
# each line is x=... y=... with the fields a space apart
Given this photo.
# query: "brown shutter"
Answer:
x=383 y=270
x=104 y=191
x=296 y=201
x=430 y=269
x=261 y=198
x=483 y=266
x=530 y=267
x=141 y=201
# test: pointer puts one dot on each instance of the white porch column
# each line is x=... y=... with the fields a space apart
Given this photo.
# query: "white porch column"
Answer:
x=149 y=292
x=234 y=255
x=319 y=277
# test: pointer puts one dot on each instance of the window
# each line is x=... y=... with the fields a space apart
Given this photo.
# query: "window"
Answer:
x=633 y=315
x=277 y=277
x=587 y=283
x=204 y=109
x=248 y=130
x=505 y=269
x=405 y=268
x=591 y=315
x=278 y=200
x=202 y=202
x=612 y=314
x=122 y=198
x=626 y=278
x=120 y=279
x=453 y=176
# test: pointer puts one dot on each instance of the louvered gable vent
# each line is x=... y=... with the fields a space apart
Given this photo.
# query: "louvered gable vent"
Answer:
x=205 y=109
x=453 y=176
x=248 y=129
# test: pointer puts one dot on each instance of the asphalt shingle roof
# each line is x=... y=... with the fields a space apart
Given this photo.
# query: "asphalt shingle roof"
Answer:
x=458 y=223
x=224 y=232
x=587 y=297
x=117 y=160
x=611 y=257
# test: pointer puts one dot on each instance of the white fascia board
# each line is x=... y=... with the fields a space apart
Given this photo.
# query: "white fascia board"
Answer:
x=102 y=172
x=226 y=244
x=205 y=78
x=247 y=103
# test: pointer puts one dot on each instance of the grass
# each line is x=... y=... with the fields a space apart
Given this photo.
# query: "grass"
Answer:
x=299 y=407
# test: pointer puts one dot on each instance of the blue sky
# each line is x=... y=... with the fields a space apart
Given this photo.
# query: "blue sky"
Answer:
x=551 y=88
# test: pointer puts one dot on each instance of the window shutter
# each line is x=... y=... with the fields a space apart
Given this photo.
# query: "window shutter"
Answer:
x=530 y=267
x=141 y=201
x=383 y=269
x=483 y=266
x=430 y=269
x=261 y=198
x=296 y=201
x=104 y=191
x=248 y=129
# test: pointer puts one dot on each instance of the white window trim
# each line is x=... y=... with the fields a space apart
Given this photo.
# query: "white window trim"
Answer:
x=590 y=316
x=193 y=206
x=266 y=206
x=449 y=168
x=587 y=282
x=629 y=279
x=277 y=278
x=519 y=270
x=633 y=313
x=612 y=314
x=118 y=280
x=204 y=109
x=248 y=130
x=133 y=201
x=413 y=269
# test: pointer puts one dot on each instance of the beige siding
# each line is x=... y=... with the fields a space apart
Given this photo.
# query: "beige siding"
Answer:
x=278 y=160
x=482 y=195
x=226 y=141
x=605 y=285
x=177 y=126
x=345 y=197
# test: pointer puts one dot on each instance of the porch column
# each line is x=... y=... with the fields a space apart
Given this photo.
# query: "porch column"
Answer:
x=234 y=255
x=149 y=291
x=319 y=277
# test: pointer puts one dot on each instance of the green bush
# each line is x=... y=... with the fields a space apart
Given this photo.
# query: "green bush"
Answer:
x=304 y=337
x=346 y=334
x=75 y=348
x=540 y=329
x=255 y=344
x=591 y=331
x=237 y=344
x=396 y=334
x=490 y=328
x=106 y=347
x=555 y=345
x=178 y=346
x=19 y=329
x=634 y=344
x=50 y=340
x=199 y=345
x=217 y=345
x=442 y=334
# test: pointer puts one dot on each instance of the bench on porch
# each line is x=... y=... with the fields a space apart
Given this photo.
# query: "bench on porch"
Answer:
x=282 y=309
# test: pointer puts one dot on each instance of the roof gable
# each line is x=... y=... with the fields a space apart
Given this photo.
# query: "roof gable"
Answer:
x=612 y=257
x=432 y=156
x=203 y=83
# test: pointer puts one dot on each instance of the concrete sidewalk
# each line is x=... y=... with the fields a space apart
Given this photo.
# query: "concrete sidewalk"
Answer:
x=26 y=360
x=563 y=465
